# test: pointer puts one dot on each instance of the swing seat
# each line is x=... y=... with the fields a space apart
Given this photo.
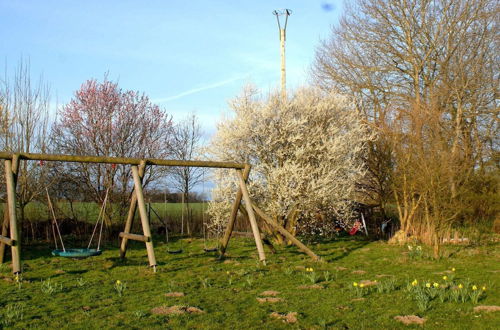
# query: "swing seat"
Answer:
x=210 y=250
x=175 y=251
x=76 y=253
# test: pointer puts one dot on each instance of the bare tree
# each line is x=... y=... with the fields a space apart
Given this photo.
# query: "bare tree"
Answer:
x=187 y=145
x=104 y=120
x=408 y=61
x=25 y=114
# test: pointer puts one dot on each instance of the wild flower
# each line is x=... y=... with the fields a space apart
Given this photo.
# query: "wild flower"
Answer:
x=475 y=294
x=460 y=286
x=427 y=285
x=312 y=276
x=484 y=288
x=453 y=269
x=414 y=283
x=445 y=277
x=436 y=285
x=120 y=287
x=359 y=289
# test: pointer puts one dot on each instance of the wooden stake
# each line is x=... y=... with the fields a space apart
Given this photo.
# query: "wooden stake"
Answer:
x=234 y=214
x=130 y=215
x=144 y=215
x=10 y=179
x=251 y=217
x=285 y=233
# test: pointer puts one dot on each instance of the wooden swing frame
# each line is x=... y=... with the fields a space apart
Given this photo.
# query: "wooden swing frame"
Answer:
x=138 y=167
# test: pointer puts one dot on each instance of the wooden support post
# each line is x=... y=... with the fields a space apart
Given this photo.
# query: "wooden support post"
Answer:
x=234 y=214
x=130 y=215
x=10 y=178
x=285 y=233
x=144 y=215
x=5 y=231
x=251 y=217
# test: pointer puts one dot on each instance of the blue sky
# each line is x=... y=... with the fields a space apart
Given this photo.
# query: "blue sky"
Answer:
x=186 y=56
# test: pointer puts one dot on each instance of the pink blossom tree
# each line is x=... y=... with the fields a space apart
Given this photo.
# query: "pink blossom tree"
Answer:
x=104 y=120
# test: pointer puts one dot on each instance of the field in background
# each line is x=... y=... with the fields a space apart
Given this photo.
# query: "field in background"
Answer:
x=230 y=293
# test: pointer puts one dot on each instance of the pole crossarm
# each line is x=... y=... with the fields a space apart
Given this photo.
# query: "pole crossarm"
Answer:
x=121 y=160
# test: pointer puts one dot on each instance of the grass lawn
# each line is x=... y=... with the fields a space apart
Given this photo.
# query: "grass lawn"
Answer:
x=83 y=294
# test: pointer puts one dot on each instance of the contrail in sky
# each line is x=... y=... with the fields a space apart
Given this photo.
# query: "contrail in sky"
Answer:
x=196 y=90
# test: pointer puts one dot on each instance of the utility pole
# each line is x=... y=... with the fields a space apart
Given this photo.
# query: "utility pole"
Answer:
x=286 y=13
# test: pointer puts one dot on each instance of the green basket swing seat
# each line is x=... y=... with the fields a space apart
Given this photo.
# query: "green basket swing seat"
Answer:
x=76 y=253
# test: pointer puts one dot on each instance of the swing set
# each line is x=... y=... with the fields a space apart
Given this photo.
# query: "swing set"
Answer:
x=138 y=167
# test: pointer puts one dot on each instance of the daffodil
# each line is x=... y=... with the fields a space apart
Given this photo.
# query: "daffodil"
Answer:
x=118 y=282
x=361 y=285
x=355 y=284
x=474 y=287
x=427 y=285
x=453 y=269
x=436 y=285
x=414 y=283
x=460 y=286
x=445 y=277
x=484 y=288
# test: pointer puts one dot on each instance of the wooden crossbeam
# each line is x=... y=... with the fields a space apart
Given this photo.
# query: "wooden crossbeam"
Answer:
x=7 y=241
x=121 y=160
x=135 y=237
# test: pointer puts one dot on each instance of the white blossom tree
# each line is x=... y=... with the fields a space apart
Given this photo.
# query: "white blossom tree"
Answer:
x=306 y=156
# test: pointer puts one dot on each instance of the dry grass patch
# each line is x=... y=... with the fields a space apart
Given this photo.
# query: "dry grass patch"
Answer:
x=174 y=294
x=410 y=319
x=485 y=308
x=368 y=283
x=340 y=268
x=176 y=310
x=359 y=272
x=271 y=293
x=269 y=300
x=287 y=318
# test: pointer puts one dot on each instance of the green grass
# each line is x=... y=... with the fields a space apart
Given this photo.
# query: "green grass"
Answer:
x=82 y=294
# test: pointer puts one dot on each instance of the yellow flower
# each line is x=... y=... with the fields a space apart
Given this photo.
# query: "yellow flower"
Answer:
x=227 y=272
x=436 y=285
x=355 y=284
x=474 y=287
x=427 y=285
x=453 y=269
x=310 y=269
x=460 y=286
x=484 y=288
x=414 y=283
x=361 y=285
x=410 y=247
x=445 y=277
x=118 y=282
x=419 y=248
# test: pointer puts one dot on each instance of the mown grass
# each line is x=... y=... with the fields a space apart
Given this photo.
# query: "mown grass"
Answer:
x=81 y=294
